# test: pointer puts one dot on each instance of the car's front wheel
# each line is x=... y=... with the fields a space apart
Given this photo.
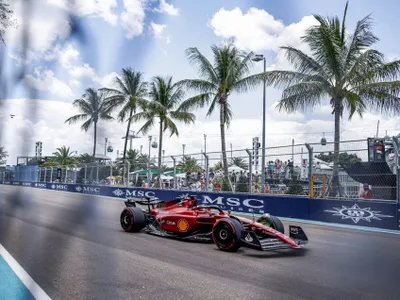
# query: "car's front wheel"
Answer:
x=226 y=234
x=132 y=219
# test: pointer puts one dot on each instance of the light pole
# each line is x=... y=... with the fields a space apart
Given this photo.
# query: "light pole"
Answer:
x=105 y=146
x=141 y=149
x=257 y=58
x=148 y=163
x=183 y=150
x=205 y=143
x=163 y=155
x=231 y=152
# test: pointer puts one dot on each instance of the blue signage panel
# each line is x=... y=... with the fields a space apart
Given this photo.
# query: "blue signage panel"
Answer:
x=398 y=216
x=361 y=213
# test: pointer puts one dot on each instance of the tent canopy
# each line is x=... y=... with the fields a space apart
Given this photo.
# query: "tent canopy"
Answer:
x=144 y=172
x=235 y=168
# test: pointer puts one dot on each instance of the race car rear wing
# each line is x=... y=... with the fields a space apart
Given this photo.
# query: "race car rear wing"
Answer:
x=150 y=202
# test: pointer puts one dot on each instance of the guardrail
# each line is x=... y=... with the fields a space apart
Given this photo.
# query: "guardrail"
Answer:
x=367 y=213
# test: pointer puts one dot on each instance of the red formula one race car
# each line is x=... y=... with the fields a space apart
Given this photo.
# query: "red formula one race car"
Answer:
x=183 y=218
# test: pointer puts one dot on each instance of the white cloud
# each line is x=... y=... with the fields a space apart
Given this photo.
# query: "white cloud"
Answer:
x=64 y=55
x=44 y=26
x=46 y=81
x=133 y=17
x=157 y=29
x=83 y=71
x=102 y=8
x=75 y=83
x=107 y=81
x=257 y=30
x=169 y=9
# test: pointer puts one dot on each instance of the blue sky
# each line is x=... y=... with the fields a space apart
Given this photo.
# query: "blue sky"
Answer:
x=151 y=36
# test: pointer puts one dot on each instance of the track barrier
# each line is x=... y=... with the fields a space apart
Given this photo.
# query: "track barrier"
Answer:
x=366 y=213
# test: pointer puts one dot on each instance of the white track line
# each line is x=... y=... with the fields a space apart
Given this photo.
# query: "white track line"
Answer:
x=27 y=280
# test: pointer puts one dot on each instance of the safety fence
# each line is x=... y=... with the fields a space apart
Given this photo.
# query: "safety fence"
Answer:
x=297 y=169
x=367 y=213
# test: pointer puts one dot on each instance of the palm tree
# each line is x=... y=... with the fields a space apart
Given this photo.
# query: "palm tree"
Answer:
x=3 y=155
x=85 y=158
x=239 y=162
x=342 y=68
x=229 y=73
x=218 y=166
x=165 y=98
x=93 y=107
x=130 y=90
x=64 y=156
x=189 y=164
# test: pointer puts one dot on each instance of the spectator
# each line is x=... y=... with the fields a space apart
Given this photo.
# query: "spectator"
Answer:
x=367 y=192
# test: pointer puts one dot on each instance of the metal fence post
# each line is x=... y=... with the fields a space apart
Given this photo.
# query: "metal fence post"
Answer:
x=66 y=173
x=174 y=160
x=45 y=174
x=396 y=146
x=250 y=172
x=97 y=173
x=206 y=170
x=127 y=172
x=51 y=174
x=111 y=172
x=40 y=175
x=310 y=164
x=85 y=180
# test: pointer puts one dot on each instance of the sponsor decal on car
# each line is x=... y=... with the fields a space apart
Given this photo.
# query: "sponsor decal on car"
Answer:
x=356 y=213
x=248 y=238
x=182 y=225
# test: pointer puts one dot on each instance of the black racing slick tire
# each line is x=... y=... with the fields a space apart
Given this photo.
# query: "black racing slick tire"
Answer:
x=226 y=234
x=277 y=224
x=132 y=219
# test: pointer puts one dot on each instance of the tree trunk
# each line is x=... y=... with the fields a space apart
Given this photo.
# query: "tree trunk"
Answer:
x=94 y=140
x=335 y=184
x=160 y=141
x=128 y=127
x=222 y=127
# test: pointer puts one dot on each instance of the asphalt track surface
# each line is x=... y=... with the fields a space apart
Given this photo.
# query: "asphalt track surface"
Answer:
x=74 y=248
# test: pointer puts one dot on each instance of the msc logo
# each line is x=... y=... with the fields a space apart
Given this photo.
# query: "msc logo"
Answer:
x=59 y=187
x=91 y=190
x=16 y=183
x=136 y=193
x=222 y=201
x=41 y=185
x=26 y=184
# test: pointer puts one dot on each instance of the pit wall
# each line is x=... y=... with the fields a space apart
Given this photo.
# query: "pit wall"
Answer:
x=377 y=214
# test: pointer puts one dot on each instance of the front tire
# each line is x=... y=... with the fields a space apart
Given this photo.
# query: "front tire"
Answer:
x=226 y=234
x=132 y=219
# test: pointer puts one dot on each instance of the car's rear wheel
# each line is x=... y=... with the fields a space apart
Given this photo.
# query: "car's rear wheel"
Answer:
x=132 y=219
x=226 y=234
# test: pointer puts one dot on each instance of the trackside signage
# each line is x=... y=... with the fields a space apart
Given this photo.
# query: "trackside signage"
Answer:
x=377 y=214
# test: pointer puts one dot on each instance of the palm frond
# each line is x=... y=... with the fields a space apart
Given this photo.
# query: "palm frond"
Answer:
x=195 y=102
x=147 y=126
x=76 y=118
x=205 y=68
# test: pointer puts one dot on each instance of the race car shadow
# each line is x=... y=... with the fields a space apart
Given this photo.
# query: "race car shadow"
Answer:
x=274 y=253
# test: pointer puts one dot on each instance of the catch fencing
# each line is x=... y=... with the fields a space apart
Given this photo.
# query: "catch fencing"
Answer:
x=297 y=169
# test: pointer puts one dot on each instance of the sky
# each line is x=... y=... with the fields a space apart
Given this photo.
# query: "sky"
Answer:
x=151 y=36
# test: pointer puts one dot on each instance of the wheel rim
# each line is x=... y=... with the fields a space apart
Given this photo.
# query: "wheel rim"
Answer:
x=224 y=235
x=126 y=220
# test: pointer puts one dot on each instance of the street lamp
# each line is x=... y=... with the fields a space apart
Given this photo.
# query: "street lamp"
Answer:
x=258 y=58
x=183 y=150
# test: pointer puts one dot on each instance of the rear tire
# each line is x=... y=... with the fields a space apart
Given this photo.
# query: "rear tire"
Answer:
x=226 y=234
x=132 y=219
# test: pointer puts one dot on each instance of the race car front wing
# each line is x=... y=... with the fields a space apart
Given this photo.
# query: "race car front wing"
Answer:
x=297 y=234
